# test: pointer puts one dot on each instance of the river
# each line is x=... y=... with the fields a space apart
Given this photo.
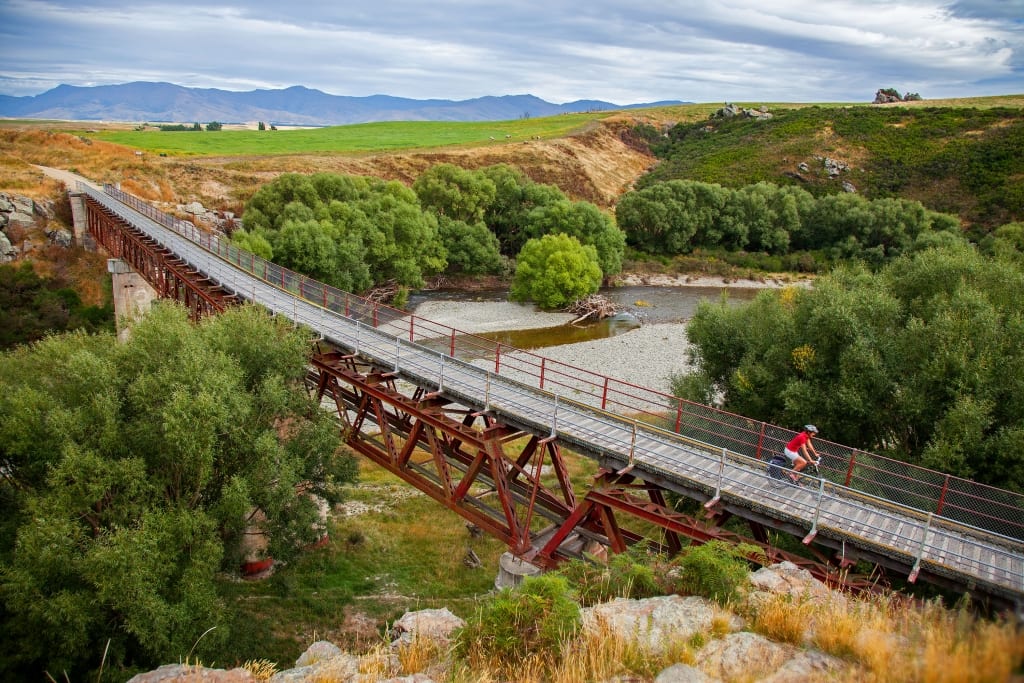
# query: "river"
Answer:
x=642 y=305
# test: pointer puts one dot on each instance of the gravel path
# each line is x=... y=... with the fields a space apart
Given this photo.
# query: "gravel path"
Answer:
x=645 y=356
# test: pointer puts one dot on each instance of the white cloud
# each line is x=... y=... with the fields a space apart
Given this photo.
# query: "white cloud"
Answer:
x=615 y=50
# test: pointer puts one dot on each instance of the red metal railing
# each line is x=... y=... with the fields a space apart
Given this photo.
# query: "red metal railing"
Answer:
x=966 y=502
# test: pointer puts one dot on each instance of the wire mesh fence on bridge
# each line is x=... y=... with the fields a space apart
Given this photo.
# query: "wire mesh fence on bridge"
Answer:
x=985 y=508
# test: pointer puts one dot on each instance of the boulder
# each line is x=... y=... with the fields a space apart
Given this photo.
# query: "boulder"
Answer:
x=435 y=625
x=743 y=656
x=19 y=219
x=322 y=661
x=682 y=673
x=193 y=673
x=7 y=251
x=320 y=651
x=654 y=624
x=60 y=237
x=786 y=578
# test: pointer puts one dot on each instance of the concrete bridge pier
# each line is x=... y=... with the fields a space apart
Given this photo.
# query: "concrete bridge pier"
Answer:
x=512 y=570
x=133 y=296
x=80 y=220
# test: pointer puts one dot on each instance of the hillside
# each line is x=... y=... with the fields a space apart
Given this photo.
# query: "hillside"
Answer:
x=959 y=159
x=917 y=153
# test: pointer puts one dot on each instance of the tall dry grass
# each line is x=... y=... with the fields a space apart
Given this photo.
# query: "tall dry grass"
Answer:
x=894 y=641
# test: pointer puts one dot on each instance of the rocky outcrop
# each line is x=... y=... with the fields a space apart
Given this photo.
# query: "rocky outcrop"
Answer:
x=18 y=216
x=220 y=221
x=731 y=111
x=891 y=95
x=724 y=650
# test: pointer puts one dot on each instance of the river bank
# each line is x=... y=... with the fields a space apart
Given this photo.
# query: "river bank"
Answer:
x=647 y=355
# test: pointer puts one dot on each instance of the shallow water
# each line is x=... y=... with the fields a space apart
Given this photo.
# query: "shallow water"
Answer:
x=642 y=305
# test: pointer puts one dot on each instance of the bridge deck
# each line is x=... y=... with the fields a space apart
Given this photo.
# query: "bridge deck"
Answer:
x=907 y=536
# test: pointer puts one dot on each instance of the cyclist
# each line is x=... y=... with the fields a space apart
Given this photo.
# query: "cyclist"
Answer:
x=800 y=449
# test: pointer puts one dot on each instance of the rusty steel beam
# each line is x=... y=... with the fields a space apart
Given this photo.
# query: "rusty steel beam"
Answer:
x=461 y=459
x=171 y=277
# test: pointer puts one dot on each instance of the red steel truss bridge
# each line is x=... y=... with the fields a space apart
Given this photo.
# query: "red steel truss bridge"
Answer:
x=481 y=428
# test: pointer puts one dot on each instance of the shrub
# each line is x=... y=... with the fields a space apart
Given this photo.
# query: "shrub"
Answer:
x=555 y=270
x=714 y=570
x=627 y=575
x=532 y=620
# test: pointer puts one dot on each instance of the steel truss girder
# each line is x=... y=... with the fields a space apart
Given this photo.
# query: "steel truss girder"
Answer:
x=645 y=501
x=171 y=277
x=459 y=457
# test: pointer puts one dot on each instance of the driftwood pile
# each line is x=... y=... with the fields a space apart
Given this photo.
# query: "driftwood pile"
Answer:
x=383 y=293
x=594 y=306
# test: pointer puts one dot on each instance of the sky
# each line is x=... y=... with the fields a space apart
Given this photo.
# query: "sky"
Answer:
x=619 y=51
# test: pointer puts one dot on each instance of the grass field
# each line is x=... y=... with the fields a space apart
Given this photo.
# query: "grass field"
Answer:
x=364 y=137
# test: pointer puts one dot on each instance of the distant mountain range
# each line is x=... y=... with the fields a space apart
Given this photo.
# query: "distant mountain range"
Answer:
x=145 y=102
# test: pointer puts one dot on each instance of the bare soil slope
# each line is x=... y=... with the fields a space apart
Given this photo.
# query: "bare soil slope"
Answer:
x=596 y=165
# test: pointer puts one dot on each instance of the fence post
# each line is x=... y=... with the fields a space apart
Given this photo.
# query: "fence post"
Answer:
x=760 y=440
x=604 y=395
x=942 y=496
x=920 y=552
x=451 y=345
x=817 y=513
x=542 y=360
x=554 y=418
x=721 y=477
x=849 y=469
x=497 y=359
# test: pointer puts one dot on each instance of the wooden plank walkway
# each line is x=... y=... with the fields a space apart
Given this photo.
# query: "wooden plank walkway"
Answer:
x=909 y=537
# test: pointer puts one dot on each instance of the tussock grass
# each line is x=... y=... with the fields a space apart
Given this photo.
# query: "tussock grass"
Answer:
x=893 y=641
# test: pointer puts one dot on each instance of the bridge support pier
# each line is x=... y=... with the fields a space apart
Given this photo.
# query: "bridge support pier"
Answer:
x=133 y=296
x=512 y=571
x=80 y=220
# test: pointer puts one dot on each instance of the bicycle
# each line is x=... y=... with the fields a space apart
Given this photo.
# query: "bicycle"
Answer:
x=779 y=468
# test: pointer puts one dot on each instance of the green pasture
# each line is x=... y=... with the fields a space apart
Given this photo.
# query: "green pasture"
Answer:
x=363 y=137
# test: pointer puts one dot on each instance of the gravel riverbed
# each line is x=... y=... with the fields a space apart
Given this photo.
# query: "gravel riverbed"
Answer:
x=645 y=356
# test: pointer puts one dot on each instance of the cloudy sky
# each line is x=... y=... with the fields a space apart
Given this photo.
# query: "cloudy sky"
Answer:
x=622 y=51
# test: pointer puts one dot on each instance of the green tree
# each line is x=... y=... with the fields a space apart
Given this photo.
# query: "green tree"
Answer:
x=130 y=470
x=32 y=307
x=377 y=229
x=515 y=196
x=921 y=361
x=586 y=223
x=472 y=248
x=673 y=217
x=455 y=193
x=555 y=270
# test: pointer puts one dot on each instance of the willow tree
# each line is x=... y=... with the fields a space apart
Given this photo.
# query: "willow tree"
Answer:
x=130 y=471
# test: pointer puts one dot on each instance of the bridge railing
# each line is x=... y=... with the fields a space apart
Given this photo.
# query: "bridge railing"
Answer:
x=959 y=500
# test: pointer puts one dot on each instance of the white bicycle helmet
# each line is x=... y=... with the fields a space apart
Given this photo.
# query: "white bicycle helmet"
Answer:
x=811 y=428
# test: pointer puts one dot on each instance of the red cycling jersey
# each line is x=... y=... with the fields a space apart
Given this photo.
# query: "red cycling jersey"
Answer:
x=798 y=441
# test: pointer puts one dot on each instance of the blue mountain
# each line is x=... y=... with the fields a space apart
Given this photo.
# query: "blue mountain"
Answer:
x=143 y=101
